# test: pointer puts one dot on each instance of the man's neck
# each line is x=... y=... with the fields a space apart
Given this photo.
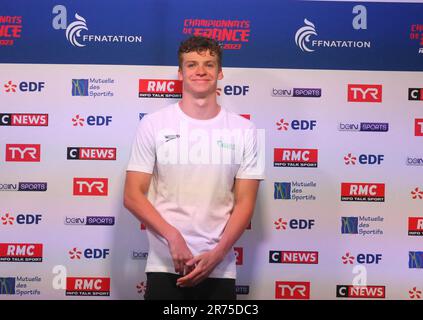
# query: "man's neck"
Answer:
x=200 y=108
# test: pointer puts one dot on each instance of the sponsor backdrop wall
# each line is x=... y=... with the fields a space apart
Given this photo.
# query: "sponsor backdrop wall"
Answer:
x=337 y=87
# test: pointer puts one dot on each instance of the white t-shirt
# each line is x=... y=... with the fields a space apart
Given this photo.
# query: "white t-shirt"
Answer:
x=193 y=165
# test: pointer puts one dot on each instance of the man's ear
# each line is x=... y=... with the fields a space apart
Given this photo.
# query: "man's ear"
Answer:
x=220 y=74
x=180 y=76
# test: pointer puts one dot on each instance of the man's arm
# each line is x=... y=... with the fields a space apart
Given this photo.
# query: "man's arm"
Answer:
x=135 y=200
x=245 y=199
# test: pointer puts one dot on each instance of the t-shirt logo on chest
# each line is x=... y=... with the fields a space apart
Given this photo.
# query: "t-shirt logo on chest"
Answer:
x=169 y=137
x=226 y=145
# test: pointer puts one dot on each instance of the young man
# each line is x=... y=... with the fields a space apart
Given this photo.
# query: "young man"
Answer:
x=198 y=162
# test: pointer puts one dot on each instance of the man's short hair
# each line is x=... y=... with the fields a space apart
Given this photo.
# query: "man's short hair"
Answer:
x=200 y=44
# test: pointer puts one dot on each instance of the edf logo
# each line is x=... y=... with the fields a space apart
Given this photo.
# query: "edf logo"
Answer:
x=302 y=125
x=24 y=86
x=8 y=219
x=91 y=121
x=89 y=253
x=351 y=159
x=294 y=224
x=362 y=258
x=234 y=90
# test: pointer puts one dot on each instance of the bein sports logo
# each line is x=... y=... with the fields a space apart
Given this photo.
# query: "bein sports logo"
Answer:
x=90 y=221
x=24 y=186
x=242 y=289
x=297 y=92
x=302 y=36
x=364 y=126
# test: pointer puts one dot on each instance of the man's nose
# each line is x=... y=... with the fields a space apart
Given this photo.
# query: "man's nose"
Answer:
x=201 y=70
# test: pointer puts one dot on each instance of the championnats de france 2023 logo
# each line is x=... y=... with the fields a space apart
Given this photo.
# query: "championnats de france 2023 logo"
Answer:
x=302 y=36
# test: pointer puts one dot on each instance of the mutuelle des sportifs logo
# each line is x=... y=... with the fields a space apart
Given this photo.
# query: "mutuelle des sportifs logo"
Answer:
x=77 y=31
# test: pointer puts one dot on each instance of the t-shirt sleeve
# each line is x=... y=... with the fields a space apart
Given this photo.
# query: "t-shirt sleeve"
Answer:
x=253 y=161
x=143 y=154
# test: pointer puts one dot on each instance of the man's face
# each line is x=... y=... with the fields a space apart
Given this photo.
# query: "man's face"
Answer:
x=199 y=73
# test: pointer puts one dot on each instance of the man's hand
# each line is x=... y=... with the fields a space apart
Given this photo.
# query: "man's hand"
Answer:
x=245 y=199
x=180 y=253
x=203 y=265
x=135 y=200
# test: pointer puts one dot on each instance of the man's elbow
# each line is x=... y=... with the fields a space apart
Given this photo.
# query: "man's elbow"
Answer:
x=128 y=201
x=132 y=199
